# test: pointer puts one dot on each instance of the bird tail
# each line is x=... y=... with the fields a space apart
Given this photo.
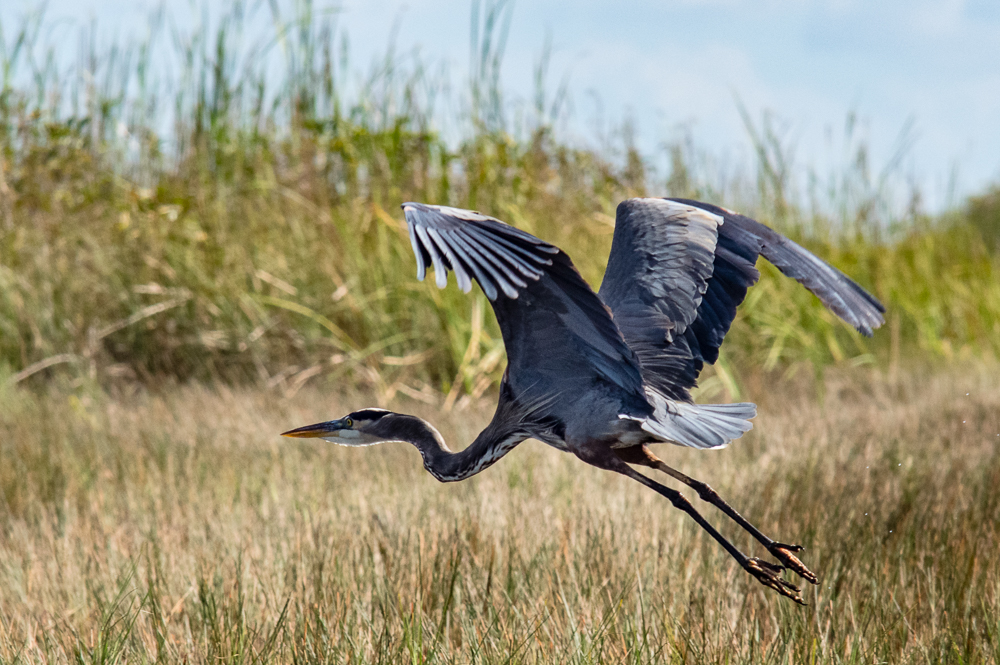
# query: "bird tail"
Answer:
x=699 y=425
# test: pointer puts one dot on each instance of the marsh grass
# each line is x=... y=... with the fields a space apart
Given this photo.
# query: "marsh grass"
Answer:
x=176 y=526
x=219 y=204
x=212 y=221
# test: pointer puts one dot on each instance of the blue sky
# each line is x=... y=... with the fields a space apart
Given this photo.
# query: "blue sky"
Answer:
x=682 y=63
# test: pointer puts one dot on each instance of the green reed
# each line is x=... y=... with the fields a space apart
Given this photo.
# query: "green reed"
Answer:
x=173 y=207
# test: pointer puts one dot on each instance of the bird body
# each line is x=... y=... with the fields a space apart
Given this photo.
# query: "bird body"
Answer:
x=603 y=375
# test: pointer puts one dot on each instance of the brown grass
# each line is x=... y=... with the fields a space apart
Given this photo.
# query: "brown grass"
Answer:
x=177 y=526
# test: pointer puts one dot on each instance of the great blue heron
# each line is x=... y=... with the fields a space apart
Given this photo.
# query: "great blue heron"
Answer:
x=603 y=375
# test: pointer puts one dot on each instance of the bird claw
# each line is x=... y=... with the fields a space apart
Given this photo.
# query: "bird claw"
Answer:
x=769 y=574
x=783 y=553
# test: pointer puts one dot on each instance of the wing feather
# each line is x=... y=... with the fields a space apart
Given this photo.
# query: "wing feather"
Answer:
x=558 y=334
x=423 y=258
x=461 y=275
x=842 y=295
x=678 y=270
x=476 y=262
x=494 y=267
x=440 y=267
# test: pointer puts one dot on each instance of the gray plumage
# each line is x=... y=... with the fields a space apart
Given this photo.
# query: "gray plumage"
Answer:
x=603 y=375
x=677 y=271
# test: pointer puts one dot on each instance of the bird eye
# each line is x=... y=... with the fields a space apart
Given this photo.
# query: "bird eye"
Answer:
x=349 y=422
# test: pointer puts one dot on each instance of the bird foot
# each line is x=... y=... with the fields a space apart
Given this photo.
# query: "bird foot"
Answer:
x=783 y=553
x=769 y=574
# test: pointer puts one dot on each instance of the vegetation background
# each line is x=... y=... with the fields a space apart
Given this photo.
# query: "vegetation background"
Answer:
x=191 y=263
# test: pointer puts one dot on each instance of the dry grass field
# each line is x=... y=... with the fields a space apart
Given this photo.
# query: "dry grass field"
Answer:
x=197 y=256
x=177 y=526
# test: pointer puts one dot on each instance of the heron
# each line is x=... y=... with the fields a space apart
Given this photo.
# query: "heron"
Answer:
x=605 y=375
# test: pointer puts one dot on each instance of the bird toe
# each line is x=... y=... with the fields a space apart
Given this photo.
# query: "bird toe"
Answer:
x=769 y=575
x=784 y=554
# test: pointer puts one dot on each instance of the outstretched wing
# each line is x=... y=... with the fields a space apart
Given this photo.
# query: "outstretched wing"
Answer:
x=558 y=334
x=679 y=268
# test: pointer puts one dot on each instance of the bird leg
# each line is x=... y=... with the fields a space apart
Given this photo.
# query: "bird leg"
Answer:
x=781 y=551
x=766 y=573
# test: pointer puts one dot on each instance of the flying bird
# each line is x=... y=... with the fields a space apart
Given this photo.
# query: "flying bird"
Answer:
x=604 y=375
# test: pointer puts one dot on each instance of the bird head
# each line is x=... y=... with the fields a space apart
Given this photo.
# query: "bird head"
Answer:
x=370 y=426
x=360 y=428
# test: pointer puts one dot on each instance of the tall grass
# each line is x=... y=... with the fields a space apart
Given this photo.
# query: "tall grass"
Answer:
x=176 y=526
x=224 y=204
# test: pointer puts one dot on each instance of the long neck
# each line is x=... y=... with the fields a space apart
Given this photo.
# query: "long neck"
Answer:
x=439 y=460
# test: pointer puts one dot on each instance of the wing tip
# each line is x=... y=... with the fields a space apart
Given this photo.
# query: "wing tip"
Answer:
x=868 y=328
x=864 y=314
x=500 y=257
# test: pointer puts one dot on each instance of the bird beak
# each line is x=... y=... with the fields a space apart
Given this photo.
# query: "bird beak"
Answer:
x=331 y=428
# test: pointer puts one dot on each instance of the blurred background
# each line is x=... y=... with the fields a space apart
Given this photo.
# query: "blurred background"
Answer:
x=215 y=187
x=917 y=76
